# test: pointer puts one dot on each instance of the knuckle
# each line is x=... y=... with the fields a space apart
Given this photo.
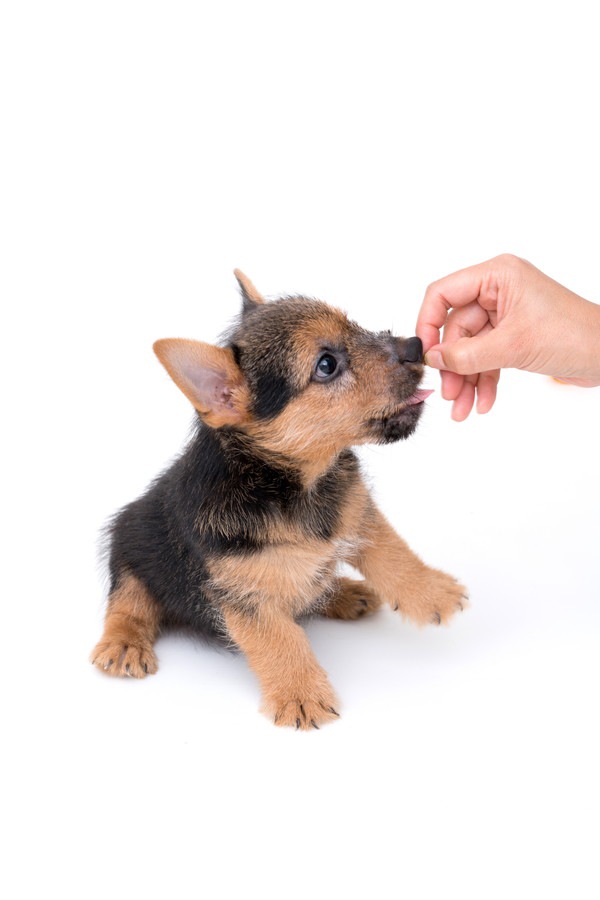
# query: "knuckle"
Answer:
x=509 y=260
x=511 y=264
x=433 y=289
x=430 y=291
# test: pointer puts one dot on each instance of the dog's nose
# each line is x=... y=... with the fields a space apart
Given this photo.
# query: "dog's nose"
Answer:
x=412 y=352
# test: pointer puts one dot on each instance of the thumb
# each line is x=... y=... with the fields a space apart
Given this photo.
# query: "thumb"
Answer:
x=471 y=355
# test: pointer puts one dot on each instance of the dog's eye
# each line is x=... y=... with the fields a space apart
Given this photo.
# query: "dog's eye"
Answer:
x=326 y=366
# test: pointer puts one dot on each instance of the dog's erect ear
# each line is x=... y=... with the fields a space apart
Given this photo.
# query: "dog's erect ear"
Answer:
x=250 y=296
x=209 y=377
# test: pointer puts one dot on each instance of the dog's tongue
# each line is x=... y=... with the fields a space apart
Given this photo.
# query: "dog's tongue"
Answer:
x=418 y=397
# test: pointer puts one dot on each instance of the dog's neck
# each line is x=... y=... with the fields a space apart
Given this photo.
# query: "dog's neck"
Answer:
x=309 y=460
x=307 y=467
x=314 y=467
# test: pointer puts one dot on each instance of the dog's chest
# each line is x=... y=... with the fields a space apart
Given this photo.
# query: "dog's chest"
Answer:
x=291 y=575
x=290 y=572
x=297 y=541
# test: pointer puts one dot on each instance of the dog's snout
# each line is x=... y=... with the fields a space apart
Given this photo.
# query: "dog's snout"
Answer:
x=412 y=351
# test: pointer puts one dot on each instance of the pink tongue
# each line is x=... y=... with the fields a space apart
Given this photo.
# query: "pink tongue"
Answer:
x=418 y=397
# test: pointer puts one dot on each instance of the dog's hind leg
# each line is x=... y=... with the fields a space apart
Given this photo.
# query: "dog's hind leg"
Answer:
x=351 y=599
x=130 y=629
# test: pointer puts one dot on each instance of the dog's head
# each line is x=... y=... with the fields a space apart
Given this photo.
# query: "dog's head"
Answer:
x=301 y=379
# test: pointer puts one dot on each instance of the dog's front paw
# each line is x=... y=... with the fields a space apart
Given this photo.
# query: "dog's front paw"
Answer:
x=311 y=708
x=432 y=597
x=116 y=658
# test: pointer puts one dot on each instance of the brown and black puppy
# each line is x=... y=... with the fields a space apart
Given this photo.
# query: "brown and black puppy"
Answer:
x=242 y=535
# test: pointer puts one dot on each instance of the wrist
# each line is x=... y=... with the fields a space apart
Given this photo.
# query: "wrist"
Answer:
x=582 y=343
x=591 y=349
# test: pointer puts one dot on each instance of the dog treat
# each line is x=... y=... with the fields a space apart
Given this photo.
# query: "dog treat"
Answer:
x=243 y=534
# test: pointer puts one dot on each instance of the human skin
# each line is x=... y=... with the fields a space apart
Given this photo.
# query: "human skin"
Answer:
x=505 y=313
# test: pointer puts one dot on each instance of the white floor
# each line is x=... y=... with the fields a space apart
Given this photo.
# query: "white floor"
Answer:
x=355 y=154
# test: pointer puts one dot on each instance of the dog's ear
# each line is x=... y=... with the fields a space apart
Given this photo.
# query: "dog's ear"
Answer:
x=250 y=296
x=209 y=377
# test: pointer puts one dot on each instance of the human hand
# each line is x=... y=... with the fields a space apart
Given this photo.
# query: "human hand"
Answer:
x=505 y=313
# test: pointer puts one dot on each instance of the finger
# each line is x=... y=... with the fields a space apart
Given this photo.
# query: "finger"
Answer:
x=489 y=350
x=451 y=385
x=463 y=404
x=467 y=321
x=487 y=384
x=456 y=290
x=429 y=329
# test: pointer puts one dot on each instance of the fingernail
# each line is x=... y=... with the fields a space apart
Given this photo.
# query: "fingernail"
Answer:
x=433 y=358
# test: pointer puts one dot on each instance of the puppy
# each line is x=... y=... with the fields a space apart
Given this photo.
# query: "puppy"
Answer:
x=243 y=534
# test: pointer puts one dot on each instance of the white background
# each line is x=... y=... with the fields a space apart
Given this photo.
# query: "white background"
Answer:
x=354 y=152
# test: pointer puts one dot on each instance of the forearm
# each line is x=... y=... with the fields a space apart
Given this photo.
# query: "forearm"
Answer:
x=590 y=351
x=575 y=334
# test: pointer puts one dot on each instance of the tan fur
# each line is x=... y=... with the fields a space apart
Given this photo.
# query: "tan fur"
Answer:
x=295 y=431
x=311 y=433
x=292 y=572
x=295 y=688
x=395 y=573
x=260 y=594
x=130 y=629
x=288 y=578
x=351 y=600
x=248 y=287
x=226 y=404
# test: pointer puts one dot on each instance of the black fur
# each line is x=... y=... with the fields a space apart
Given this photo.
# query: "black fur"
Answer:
x=216 y=499
x=263 y=348
x=273 y=392
x=222 y=494
x=395 y=428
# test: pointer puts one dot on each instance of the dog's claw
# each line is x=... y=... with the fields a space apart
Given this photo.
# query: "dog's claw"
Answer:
x=437 y=618
x=297 y=724
x=314 y=724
